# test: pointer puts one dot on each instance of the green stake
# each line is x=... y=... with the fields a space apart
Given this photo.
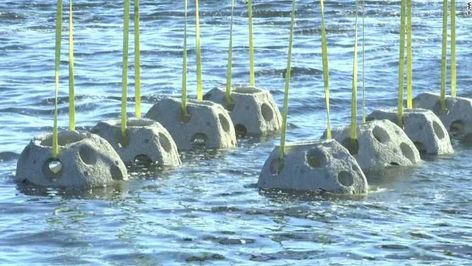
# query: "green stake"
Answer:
x=229 y=74
x=324 y=53
x=137 y=60
x=401 y=64
x=124 y=82
x=184 y=67
x=363 y=63
x=453 y=48
x=409 y=64
x=199 y=53
x=252 y=75
x=443 y=58
x=71 y=70
x=354 y=84
x=55 y=137
x=287 y=84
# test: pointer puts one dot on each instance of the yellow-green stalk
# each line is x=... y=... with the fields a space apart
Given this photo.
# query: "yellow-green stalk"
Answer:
x=55 y=135
x=363 y=63
x=252 y=75
x=137 y=60
x=443 y=58
x=71 y=70
x=401 y=64
x=453 y=48
x=324 y=55
x=184 y=66
x=199 y=53
x=287 y=84
x=230 y=59
x=354 y=84
x=124 y=82
x=409 y=56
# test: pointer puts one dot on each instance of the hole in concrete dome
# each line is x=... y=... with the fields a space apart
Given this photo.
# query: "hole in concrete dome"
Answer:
x=224 y=122
x=438 y=130
x=381 y=135
x=185 y=117
x=457 y=128
x=52 y=168
x=267 y=112
x=394 y=164
x=116 y=173
x=87 y=154
x=241 y=130
x=165 y=142
x=420 y=146
x=407 y=152
x=276 y=166
x=199 y=140
x=142 y=160
x=64 y=138
x=345 y=178
x=316 y=158
x=352 y=145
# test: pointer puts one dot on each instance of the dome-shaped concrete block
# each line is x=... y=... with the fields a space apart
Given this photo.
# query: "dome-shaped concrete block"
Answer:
x=314 y=166
x=380 y=143
x=423 y=127
x=253 y=111
x=208 y=126
x=458 y=115
x=145 y=139
x=85 y=161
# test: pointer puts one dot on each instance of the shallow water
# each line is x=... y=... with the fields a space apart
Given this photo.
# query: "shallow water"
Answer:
x=209 y=211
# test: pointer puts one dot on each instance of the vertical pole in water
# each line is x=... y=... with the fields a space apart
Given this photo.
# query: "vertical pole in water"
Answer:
x=137 y=60
x=252 y=75
x=287 y=85
x=354 y=84
x=324 y=53
x=71 y=70
x=124 y=82
x=184 y=67
x=443 y=58
x=401 y=64
x=453 y=48
x=230 y=59
x=363 y=63
x=409 y=56
x=55 y=137
x=199 y=53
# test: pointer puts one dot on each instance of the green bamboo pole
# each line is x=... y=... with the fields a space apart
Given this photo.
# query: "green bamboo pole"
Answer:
x=199 y=53
x=71 y=69
x=230 y=59
x=55 y=135
x=401 y=64
x=453 y=48
x=287 y=84
x=184 y=66
x=124 y=82
x=354 y=84
x=443 y=58
x=252 y=75
x=137 y=60
x=363 y=64
x=324 y=55
x=409 y=64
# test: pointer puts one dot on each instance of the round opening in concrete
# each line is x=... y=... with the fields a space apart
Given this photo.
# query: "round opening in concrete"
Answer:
x=407 y=151
x=276 y=166
x=457 y=128
x=381 y=135
x=116 y=173
x=199 y=140
x=345 y=178
x=185 y=117
x=241 y=130
x=224 y=122
x=88 y=155
x=315 y=158
x=165 y=142
x=267 y=112
x=52 y=168
x=438 y=130
x=420 y=146
x=142 y=160
x=352 y=145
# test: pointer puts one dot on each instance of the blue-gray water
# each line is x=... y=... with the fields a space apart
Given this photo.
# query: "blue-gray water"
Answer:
x=209 y=211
